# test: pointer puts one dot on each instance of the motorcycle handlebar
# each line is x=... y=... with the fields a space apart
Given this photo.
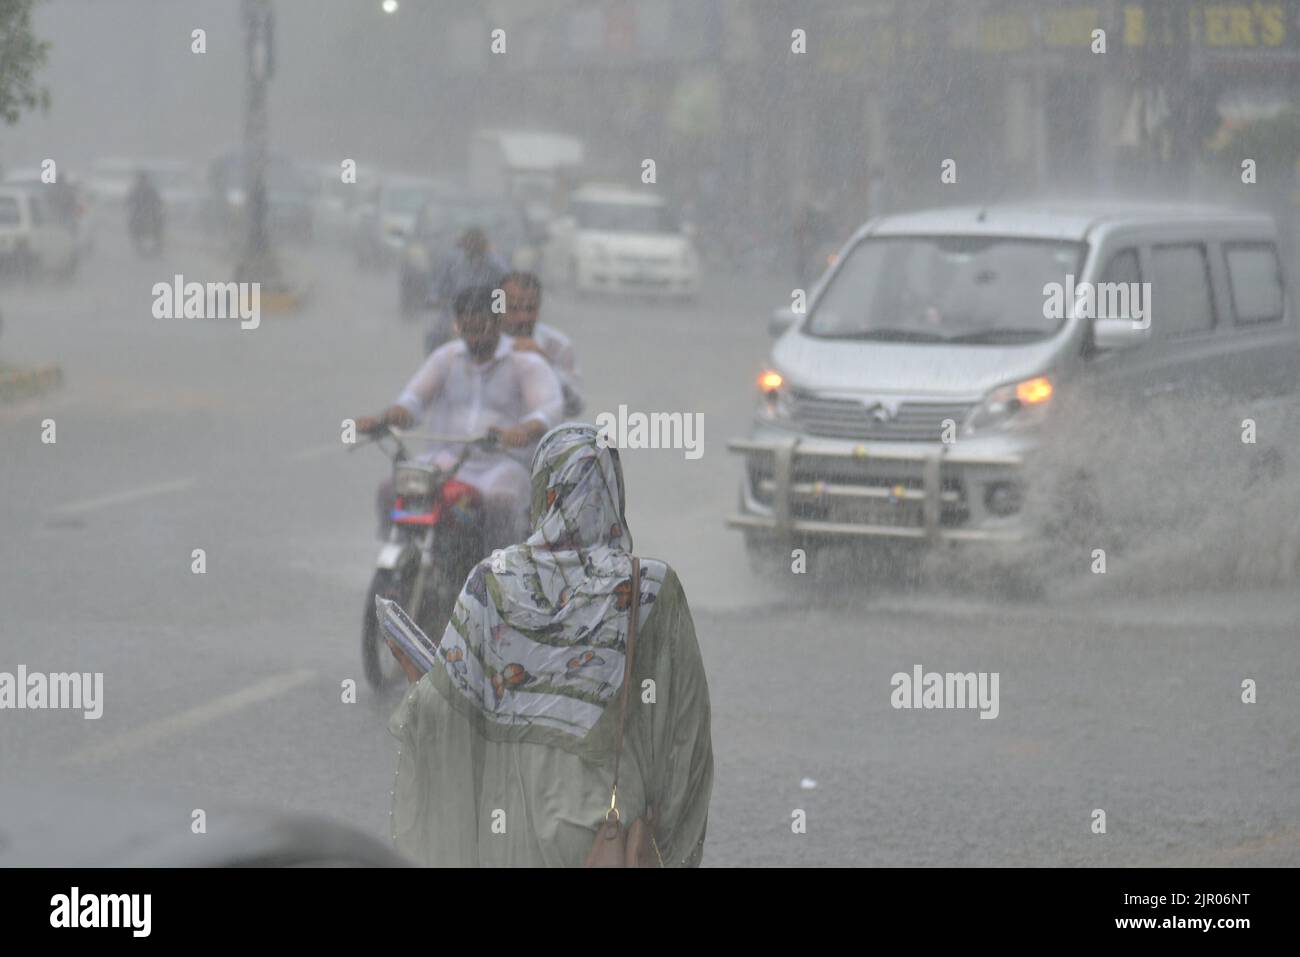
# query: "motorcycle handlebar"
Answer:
x=486 y=440
x=489 y=440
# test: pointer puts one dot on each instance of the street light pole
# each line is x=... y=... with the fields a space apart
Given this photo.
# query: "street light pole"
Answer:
x=257 y=262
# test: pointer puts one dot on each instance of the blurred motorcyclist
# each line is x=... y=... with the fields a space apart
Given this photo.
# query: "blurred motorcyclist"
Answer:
x=145 y=213
x=472 y=263
x=810 y=230
x=475 y=384
x=523 y=304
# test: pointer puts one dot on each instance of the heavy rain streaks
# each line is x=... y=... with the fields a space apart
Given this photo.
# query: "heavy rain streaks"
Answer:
x=812 y=268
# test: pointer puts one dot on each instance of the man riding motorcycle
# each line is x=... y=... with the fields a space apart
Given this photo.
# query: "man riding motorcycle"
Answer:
x=475 y=384
x=145 y=211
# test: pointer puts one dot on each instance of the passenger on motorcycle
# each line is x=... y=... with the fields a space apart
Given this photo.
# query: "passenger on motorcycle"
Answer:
x=471 y=263
x=523 y=304
x=475 y=384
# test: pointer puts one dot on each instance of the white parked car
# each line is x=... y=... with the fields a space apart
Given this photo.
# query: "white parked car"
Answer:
x=622 y=240
x=67 y=200
x=31 y=238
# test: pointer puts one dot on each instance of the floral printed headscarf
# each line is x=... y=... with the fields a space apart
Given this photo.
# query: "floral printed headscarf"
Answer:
x=538 y=635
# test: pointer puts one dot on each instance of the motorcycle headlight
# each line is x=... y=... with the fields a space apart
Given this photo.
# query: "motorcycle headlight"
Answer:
x=1017 y=405
x=413 y=481
x=774 y=396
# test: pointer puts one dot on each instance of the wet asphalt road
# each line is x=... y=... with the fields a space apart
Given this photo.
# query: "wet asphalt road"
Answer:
x=225 y=687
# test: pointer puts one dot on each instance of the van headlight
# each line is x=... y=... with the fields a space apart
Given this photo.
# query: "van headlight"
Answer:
x=774 y=396
x=1017 y=405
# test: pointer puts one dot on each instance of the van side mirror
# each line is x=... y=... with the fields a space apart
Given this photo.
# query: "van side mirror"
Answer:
x=1118 y=334
x=781 y=320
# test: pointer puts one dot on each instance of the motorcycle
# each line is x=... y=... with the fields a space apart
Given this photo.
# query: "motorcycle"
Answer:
x=433 y=541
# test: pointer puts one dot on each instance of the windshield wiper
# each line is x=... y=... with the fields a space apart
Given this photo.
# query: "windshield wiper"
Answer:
x=999 y=335
x=891 y=335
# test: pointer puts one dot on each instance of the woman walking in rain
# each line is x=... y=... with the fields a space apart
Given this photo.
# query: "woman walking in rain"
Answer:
x=510 y=748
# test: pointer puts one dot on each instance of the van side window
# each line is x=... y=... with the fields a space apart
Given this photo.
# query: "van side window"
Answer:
x=1255 y=281
x=1180 y=290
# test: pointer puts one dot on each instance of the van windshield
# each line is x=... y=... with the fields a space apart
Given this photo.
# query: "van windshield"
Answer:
x=970 y=289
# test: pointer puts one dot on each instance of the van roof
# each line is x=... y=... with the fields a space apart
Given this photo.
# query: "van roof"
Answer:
x=1069 y=221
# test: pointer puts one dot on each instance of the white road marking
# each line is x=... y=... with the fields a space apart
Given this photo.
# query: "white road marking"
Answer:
x=155 y=731
x=121 y=498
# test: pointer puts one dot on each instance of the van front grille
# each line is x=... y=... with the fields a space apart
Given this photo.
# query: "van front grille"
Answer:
x=860 y=419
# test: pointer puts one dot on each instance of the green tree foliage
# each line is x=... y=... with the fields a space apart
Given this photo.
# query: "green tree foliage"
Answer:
x=21 y=55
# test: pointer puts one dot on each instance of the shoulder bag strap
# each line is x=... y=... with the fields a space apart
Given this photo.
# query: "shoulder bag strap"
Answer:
x=634 y=614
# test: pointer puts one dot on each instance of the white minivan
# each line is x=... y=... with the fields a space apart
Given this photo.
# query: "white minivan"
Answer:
x=31 y=238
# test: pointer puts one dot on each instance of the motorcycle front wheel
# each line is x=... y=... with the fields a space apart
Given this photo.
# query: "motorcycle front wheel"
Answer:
x=381 y=668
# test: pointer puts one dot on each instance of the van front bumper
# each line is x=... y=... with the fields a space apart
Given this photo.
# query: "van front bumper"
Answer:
x=816 y=488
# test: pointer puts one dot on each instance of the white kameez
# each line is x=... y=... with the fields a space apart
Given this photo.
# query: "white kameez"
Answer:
x=455 y=395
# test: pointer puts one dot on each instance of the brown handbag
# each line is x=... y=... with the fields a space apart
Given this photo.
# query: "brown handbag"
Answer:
x=635 y=846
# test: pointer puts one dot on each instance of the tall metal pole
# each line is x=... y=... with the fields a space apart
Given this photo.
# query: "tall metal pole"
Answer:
x=257 y=262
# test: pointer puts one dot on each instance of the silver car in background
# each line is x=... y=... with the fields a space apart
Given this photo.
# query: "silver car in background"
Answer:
x=903 y=405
